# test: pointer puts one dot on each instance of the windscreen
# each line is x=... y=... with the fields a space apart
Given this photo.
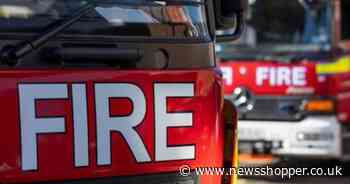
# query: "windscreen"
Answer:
x=137 y=18
x=290 y=22
x=345 y=15
x=283 y=30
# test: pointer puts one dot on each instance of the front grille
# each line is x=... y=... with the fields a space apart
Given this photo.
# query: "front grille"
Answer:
x=163 y=178
x=275 y=108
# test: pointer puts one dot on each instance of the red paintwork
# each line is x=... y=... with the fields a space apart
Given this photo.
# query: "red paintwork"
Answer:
x=249 y=79
x=331 y=85
x=341 y=84
x=56 y=151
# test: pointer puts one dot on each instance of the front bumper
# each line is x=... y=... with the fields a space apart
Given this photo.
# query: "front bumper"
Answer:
x=315 y=136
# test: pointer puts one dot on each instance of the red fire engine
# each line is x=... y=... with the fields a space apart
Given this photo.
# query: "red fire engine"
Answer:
x=290 y=79
x=114 y=91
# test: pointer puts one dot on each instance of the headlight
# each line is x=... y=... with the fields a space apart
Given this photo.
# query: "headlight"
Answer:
x=314 y=136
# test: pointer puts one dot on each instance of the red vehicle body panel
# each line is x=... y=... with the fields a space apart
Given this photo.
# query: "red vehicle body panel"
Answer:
x=342 y=88
x=56 y=152
x=335 y=85
x=244 y=73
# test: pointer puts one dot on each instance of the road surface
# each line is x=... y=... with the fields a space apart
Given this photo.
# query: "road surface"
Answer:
x=345 y=179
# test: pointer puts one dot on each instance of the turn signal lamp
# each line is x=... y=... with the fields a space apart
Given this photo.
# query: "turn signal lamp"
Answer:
x=321 y=106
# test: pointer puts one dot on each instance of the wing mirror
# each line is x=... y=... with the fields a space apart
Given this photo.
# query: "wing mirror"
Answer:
x=229 y=18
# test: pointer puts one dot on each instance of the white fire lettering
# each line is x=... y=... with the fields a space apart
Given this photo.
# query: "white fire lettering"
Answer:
x=281 y=76
x=32 y=125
